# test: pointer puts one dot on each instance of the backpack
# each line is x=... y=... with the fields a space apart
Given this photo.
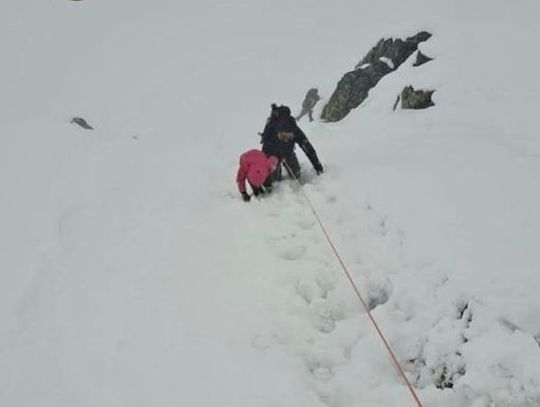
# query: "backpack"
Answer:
x=278 y=112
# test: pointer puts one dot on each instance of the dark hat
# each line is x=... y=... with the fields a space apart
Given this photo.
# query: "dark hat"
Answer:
x=284 y=111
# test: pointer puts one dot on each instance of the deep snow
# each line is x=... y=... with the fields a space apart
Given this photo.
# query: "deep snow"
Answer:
x=132 y=273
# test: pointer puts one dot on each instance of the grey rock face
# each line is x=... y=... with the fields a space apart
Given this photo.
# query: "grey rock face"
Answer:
x=421 y=59
x=81 y=122
x=416 y=99
x=382 y=59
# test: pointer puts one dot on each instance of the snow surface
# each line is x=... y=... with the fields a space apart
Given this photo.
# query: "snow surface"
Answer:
x=132 y=273
x=387 y=61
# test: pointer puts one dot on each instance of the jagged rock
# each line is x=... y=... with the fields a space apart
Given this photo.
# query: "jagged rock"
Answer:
x=416 y=99
x=81 y=122
x=382 y=59
x=421 y=59
x=396 y=50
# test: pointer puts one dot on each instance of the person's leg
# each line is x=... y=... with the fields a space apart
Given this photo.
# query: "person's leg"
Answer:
x=277 y=175
x=268 y=183
x=310 y=113
x=293 y=165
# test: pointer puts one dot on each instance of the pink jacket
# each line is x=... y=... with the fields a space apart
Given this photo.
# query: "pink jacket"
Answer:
x=255 y=166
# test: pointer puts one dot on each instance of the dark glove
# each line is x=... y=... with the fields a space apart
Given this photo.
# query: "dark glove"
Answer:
x=245 y=196
x=319 y=169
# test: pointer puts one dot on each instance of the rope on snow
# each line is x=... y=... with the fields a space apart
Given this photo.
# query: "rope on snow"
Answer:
x=357 y=291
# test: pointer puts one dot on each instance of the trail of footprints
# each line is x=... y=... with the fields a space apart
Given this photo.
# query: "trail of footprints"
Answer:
x=325 y=327
x=314 y=276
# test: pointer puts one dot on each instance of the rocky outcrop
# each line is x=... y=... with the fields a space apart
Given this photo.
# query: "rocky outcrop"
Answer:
x=382 y=59
x=416 y=99
x=81 y=122
x=421 y=59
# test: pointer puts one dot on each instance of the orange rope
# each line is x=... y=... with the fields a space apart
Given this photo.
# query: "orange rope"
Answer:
x=357 y=291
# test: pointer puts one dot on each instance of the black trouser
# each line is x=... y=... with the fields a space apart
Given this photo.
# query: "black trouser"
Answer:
x=260 y=190
x=292 y=165
x=289 y=157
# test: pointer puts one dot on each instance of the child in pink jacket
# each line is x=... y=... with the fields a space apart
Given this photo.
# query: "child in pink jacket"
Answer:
x=257 y=169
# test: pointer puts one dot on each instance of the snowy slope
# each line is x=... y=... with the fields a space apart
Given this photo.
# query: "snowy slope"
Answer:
x=131 y=273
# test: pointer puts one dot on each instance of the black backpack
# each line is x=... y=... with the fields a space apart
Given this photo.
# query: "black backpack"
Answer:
x=279 y=112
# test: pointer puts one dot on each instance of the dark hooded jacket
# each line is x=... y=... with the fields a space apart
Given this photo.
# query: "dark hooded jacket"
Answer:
x=281 y=134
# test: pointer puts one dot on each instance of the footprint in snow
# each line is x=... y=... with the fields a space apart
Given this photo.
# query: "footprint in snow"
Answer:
x=287 y=247
x=306 y=224
x=378 y=293
x=292 y=252
x=310 y=289
x=322 y=318
x=306 y=290
x=322 y=365
x=325 y=284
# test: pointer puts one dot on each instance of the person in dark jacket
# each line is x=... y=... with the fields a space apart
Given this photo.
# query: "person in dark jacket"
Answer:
x=279 y=138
